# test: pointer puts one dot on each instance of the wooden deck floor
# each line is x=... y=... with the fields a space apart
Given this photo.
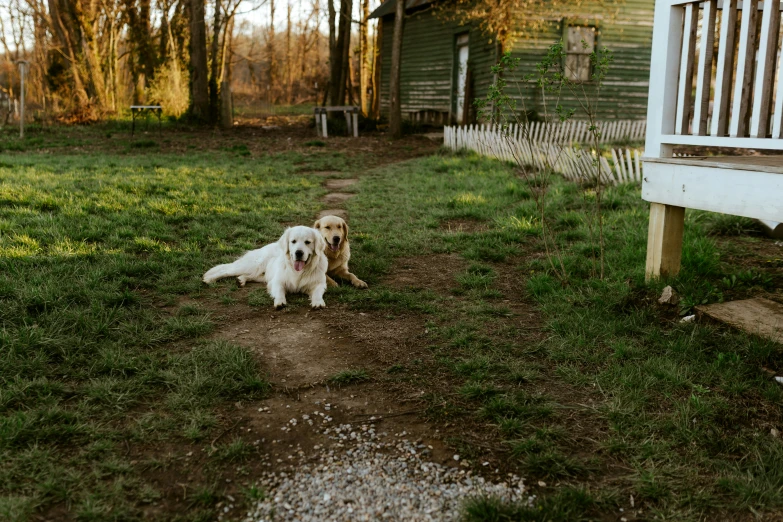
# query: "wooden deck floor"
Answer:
x=772 y=164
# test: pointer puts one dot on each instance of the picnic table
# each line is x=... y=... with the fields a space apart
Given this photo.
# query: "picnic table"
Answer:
x=145 y=109
x=351 y=118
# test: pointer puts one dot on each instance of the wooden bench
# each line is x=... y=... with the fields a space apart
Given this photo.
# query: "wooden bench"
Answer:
x=700 y=99
x=139 y=109
x=351 y=119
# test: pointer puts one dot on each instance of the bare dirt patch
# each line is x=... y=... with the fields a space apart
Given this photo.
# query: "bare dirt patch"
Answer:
x=339 y=184
x=300 y=350
x=336 y=198
x=297 y=349
x=435 y=272
x=251 y=138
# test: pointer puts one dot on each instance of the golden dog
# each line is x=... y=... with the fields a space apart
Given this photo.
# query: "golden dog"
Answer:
x=335 y=232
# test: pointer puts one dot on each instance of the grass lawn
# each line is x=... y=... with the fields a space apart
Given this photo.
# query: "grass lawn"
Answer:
x=599 y=393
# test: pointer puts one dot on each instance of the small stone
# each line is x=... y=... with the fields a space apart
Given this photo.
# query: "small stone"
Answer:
x=688 y=319
x=774 y=432
x=456 y=457
x=542 y=483
x=669 y=297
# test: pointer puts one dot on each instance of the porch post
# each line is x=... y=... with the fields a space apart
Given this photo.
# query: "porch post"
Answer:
x=664 y=241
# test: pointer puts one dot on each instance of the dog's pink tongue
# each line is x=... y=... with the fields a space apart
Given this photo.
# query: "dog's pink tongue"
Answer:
x=299 y=265
x=334 y=247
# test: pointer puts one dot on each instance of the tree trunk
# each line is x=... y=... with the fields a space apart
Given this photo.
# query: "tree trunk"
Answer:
x=346 y=8
x=199 y=74
x=143 y=60
x=270 y=52
x=365 y=59
x=395 y=105
x=214 y=69
x=335 y=57
x=376 y=72
x=288 y=64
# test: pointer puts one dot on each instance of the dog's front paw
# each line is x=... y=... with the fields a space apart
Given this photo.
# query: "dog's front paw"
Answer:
x=241 y=280
x=280 y=305
x=331 y=282
x=318 y=305
x=358 y=283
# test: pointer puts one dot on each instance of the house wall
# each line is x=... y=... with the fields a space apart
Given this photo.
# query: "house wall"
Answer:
x=628 y=35
x=428 y=71
x=428 y=55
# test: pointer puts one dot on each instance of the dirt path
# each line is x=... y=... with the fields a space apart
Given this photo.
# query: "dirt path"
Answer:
x=302 y=351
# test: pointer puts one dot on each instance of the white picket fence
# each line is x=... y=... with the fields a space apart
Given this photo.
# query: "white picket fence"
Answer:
x=571 y=132
x=575 y=164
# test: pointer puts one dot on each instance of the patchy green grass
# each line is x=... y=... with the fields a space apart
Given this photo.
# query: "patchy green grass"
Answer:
x=615 y=397
x=602 y=394
x=347 y=377
x=90 y=363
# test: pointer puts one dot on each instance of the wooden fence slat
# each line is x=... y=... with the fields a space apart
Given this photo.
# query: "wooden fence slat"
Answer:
x=617 y=167
x=746 y=55
x=629 y=164
x=638 y=165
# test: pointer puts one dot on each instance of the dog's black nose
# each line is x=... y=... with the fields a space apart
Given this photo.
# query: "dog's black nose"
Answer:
x=336 y=239
x=299 y=254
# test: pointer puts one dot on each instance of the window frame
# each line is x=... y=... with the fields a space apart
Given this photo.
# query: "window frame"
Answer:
x=579 y=22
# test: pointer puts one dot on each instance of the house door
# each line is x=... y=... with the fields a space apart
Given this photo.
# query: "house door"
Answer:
x=462 y=75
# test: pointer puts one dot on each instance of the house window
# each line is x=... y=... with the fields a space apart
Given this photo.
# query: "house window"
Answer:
x=580 y=43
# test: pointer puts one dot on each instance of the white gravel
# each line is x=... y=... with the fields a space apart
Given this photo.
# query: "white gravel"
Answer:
x=371 y=476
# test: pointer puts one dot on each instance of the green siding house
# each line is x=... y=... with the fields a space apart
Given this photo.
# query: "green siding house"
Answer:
x=447 y=66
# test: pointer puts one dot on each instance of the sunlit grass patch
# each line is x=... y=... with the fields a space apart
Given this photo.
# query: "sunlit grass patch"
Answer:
x=467 y=199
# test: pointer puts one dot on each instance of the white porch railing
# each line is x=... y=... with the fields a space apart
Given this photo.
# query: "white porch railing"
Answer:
x=732 y=99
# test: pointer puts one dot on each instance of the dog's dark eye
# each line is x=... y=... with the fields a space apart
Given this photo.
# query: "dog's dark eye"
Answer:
x=307 y=242
x=294 y=241
x=328 y=228
x=339 y=226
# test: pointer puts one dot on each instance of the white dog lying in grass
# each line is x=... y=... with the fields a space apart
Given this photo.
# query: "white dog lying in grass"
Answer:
x=296 y=263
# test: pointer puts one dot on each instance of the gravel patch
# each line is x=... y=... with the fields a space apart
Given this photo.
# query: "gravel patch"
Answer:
x=366 y=475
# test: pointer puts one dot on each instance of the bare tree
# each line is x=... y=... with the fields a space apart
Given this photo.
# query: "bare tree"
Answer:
x=199 y=74
x=288 y=64
x=365 y=59
x=395 y=109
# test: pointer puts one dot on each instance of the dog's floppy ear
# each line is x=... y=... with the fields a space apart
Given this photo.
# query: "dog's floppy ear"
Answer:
x=283 y=241
x=317 y=225
x=320 y=243
x=346 y=229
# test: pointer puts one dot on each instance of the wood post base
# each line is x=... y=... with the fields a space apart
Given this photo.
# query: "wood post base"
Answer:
x=664 y=241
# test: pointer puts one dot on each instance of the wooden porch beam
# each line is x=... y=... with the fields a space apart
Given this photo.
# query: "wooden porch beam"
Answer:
x=664 y=241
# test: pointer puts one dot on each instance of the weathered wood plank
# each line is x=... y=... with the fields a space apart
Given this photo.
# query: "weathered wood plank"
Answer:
x=684 y=90
x=765 y=69
x=753 y=194
x=759 y=316
x=704 y=74
x=725 y=66
x=664 y=240
x=746 y=54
